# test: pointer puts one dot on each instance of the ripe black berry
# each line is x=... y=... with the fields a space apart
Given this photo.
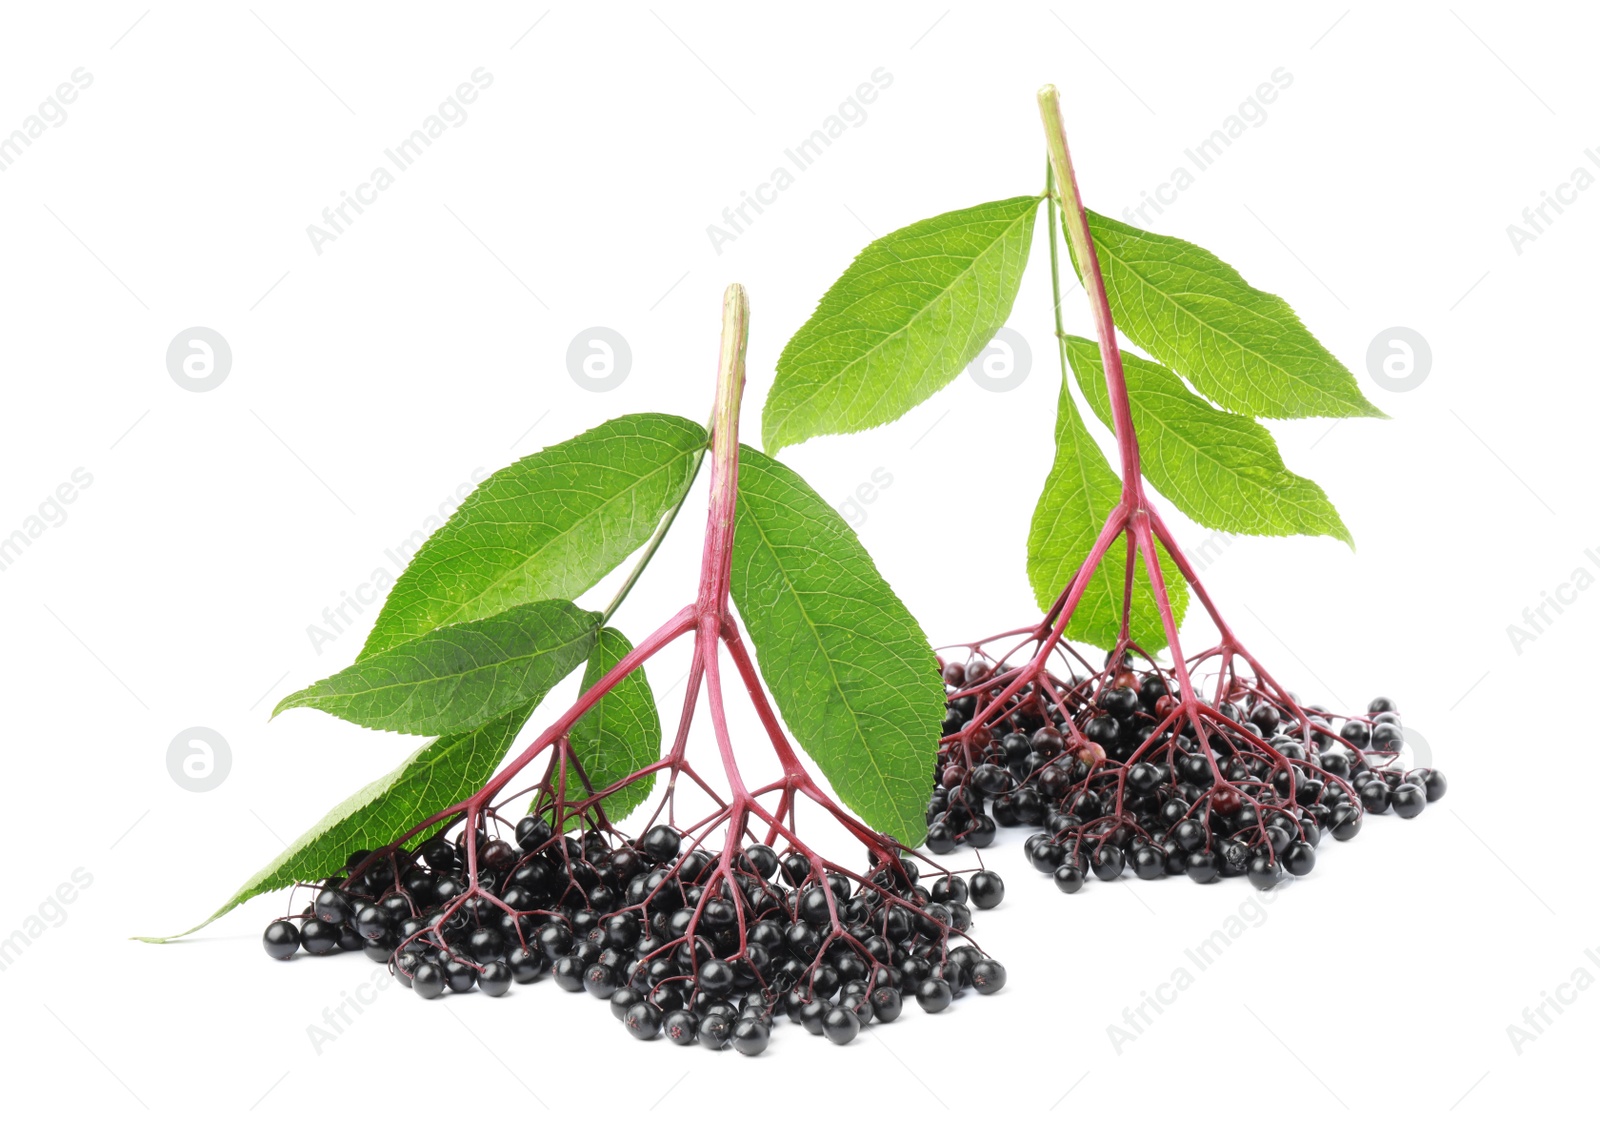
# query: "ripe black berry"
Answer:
x=281 y=939
x=986 y=890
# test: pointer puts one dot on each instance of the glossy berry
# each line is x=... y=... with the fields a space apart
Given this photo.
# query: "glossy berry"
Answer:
x=319 y=937
x=333 y=906
x=750 y=1037
x=281 y=939
x=428 y=981
x=934 y=995
x=495 y=980
x=1408 y=800
x=661 y=843
x=681 y=1027
x=988 y=976
x=986 y=890
x=715 y=1028
x=643 y=1020
x=840 y=1025
x=1068 y=877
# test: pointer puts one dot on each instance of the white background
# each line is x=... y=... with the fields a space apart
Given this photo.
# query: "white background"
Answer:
x=371 y=380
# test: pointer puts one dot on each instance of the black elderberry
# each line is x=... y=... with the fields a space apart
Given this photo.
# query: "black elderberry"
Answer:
x=681 y=1027
x=624 y=999
x=661 y=843
x=986 y=889
x=428 y=981
x=840 y=1025
x=1265 y=872
x=1149 y=862
x=281 y=939
x=886 y=1004
x=459 y=974
x=643 y=1020
x=1103 y=730
x=599 y=981
x=1345 y=823
x=1407 y=800
x=1387 y=737
x=1107 y=861
x=1068 y=877
x=749 y=1037
x=333 y=906
x=568 y=972
x=812 y=1013
x=527 y=964
x=485 y=945
x=934 y=995
x=1375 y=796
x=988 y=977
x=716 y=977
x=1201 y=867
x=495 y=979
x=319 y=937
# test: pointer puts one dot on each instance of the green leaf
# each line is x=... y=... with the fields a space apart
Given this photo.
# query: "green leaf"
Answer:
x=621 y=734
x=456 y=678
x=436 y=776
x=547 y=527
x=905 y=318
x=852 y=672
x=1079 y=494
x=1221 y=469
x=1242 y=347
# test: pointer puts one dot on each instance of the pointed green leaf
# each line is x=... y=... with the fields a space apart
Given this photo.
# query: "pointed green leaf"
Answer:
x=852 y=672
x=1221 y=469
x=905 y=318
x=546 y=527
x=436 y=776
x=1244 y=348
x=621 y=734
x=456 y=678
x=1079 y=494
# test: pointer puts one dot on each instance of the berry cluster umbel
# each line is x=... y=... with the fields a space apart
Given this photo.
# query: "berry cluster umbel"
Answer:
x=1115 y=776
x=655 y=928
x=705 y=931
x=1134 y=764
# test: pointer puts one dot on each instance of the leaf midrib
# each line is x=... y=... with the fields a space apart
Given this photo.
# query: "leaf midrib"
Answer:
x=860 y=735
x=1150 y=285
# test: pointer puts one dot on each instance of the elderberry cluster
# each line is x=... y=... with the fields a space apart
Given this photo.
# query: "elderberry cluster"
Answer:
x=1113 y=784
x=681 y=942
